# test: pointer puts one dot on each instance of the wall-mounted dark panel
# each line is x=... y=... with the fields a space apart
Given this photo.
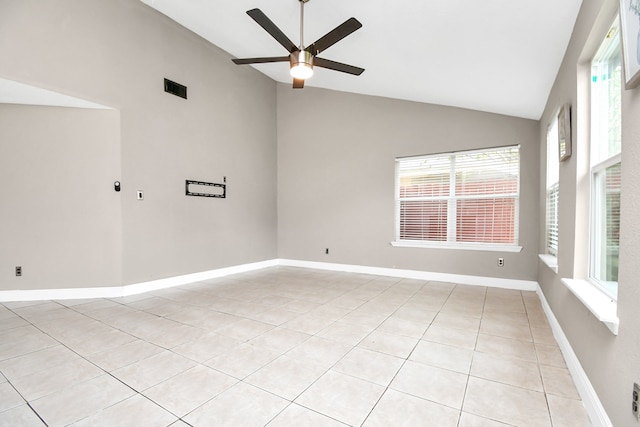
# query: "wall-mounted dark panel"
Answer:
x=207 y=189
x=175 y=88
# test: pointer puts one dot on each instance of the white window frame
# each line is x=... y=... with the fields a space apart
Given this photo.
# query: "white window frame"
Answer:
x=451 y=210
x=552 y=186
x=599 y=164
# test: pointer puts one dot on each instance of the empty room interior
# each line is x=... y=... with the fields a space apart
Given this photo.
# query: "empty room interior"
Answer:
x=438 y=227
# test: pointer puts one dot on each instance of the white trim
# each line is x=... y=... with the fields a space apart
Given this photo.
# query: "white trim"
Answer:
x=550 y=261
x=604 y=308
x=458 y=246
x=590 y=399
x=127 y=290
x=522 y=285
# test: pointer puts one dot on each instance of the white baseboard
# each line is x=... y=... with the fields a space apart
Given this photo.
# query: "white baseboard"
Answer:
x=590 y=399
x=153 y=285
x=126 y=290
x=522 y=285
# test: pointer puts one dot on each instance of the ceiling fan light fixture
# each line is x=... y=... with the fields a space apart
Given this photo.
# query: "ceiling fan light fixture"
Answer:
x=301 y=64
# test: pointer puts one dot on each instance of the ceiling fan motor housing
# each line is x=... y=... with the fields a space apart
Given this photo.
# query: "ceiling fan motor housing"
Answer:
x=301 y=57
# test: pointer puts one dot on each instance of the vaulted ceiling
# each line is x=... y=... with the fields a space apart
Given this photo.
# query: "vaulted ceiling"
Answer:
x=498 y=56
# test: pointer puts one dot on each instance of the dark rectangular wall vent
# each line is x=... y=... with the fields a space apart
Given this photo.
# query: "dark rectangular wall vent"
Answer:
x=175 y=88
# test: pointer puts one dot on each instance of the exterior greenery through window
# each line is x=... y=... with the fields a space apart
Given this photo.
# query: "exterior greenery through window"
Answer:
x=606 y=91
x=468 y=198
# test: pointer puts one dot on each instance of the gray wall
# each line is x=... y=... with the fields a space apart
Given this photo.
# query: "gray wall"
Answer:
x=336 y=156
x=611 y=362
x=117 y=53
x=61 y=218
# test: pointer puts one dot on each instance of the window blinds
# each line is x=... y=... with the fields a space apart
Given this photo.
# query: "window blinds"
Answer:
x=463 y=197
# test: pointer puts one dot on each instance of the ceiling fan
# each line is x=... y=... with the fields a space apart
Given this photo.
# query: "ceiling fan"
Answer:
x=302 y=59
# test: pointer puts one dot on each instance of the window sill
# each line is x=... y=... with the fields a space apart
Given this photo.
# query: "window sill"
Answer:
x=550 y=261
x=458 y=246
x=603 y=307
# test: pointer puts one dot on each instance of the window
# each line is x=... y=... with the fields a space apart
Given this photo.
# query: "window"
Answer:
x=606 y=91
x=553 y=189
x=466 y=199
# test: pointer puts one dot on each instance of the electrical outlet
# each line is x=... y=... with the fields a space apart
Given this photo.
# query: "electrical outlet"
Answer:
x=500 y=262
x=140 y=195
x=18 y=270
x=326 y=251
x=635 y=402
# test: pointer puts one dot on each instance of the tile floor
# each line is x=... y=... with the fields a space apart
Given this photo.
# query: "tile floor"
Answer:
x=287 y=347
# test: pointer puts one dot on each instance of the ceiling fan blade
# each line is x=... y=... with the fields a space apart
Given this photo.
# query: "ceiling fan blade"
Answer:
x=298 y=83
x=337 y=66
x=335 y=35
x=272 y=29
x=243 y=61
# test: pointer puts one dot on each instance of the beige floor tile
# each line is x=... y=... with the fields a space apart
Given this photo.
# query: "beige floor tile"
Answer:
x=23 y=340
x=506 y=347
x=275 y=316
x=399 y=409
x=280 y=340
x=153 y=370
x=319 y=351
x=9 y=397
x=395 y=345
x=558 y=381
x=470 y=420
x=332 y=312
x=242 y=360
x=345 y=333
x=550 y=355
x=342 y=397
x=88 y=398
x=241 y=405
x=43 y=383
x=185 y=392
x=443 y=356
x=504 y=303
x=286 y=377
x=437 y=385
x=245 y=329
x=300 y=306
x=132 y=412
x=37 y=361
x=299 y=416
x=518 y=373
x=206 y=347
x=451 y=336
x=407 y=328
x=21 y=416
x=346 y=301
x=13 y=321
x=506 y=317
x=361 y=318
x=124 y=355
x=505 y=403
x=543 y=336
x=379 y=368
x=308 y=324
x=567 y=412
x=471 y=324
x=504 y=329
x=329 y=312
x=176 y=336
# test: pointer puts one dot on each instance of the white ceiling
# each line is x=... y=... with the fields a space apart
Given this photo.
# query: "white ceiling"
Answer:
x=498 y=56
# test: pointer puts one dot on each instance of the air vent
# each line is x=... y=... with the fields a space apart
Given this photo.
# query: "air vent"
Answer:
x=175 y=88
